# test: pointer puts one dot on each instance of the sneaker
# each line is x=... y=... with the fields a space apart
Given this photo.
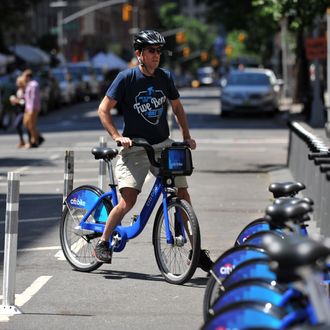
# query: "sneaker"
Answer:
x=102 y=252
x=205 y=261
x=41 y=140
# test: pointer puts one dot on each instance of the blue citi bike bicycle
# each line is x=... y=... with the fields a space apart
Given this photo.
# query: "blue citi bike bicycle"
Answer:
x=283 y=293
x=175 y=236
x=254 y=281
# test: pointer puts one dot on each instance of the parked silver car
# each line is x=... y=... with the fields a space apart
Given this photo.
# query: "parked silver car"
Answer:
x=250 y=90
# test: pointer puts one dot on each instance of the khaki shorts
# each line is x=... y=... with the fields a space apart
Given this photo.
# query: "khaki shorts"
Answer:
x=133 y=166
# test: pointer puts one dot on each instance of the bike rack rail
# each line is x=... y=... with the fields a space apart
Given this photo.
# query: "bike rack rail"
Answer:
x=307 y=156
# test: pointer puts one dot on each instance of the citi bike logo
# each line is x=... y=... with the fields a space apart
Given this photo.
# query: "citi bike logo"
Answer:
x=226 y=269
x=77 y=202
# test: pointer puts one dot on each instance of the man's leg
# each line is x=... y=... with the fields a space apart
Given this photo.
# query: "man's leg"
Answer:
x=205 y=261
x=127 y=201
x=27 y=124
x=184 y=194
x=102 y=250
x=34 y=130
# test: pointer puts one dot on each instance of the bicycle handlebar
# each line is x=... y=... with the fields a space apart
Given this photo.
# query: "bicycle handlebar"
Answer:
x=150 y=150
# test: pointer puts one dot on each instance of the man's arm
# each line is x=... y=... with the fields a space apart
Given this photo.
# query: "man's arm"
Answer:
x=104 y=113
x=182 y=121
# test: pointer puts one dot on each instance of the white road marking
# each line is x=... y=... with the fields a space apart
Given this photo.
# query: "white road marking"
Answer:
x=27 y=294
x=37 y=249
x=35 y=220
x=60 y=255
x=34 y=183
x=55 y=156
x=22 y=169
x=243 y=141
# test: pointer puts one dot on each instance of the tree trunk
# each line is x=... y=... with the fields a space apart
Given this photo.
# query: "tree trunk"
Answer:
x=302 y=92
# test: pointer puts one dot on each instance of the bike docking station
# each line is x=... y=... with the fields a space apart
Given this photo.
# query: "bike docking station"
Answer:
x=69 y=171
x=309 y=162
x=8 y=306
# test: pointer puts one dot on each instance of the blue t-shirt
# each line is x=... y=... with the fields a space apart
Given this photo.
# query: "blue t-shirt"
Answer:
x=143 y=100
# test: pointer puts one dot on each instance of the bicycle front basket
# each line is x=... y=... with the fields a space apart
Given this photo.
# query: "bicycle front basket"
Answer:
x=176 y=161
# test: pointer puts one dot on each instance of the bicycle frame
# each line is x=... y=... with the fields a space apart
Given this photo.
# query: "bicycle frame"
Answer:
x=124 y=233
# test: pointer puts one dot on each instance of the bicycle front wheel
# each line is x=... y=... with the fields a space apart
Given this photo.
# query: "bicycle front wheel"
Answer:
x=178 y=257
x=77 y=244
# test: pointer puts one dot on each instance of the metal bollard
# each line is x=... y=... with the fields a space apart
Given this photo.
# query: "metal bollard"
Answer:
x=10 y=252
x=68 y=173
x=102 y=166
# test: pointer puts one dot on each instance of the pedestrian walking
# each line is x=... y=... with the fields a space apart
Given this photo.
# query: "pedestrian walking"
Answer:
x=142 y=93
x=18 y=102
x=32 y=108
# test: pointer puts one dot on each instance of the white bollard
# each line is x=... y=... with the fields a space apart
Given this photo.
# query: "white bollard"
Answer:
x=68 y=174
x=102 y=167
x=10 y=252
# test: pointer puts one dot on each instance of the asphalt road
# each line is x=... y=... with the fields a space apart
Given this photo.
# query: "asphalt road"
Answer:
x=236 y=159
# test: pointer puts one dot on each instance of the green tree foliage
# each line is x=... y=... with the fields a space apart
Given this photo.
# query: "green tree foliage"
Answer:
x=260 y=19
x=302 y=13
x=199 y=37
x=242 y=15
x=303 y=16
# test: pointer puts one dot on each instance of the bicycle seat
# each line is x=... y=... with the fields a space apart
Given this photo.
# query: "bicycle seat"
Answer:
x=104 y=153
x=285 y=189
x=285 y=212
x=293 y=200
x=293 y=252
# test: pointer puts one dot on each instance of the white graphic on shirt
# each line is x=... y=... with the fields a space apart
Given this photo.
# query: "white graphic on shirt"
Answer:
x=150 y=105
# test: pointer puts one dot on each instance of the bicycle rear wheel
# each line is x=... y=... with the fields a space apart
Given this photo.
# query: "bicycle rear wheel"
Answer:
x=77 y=244
x=177 y=260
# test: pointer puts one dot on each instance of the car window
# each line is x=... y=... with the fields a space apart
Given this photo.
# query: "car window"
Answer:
x=248 y=79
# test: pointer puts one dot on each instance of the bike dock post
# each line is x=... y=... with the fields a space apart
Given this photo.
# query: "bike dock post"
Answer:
x=102 y=166
x=68 y=173
x=10 y=251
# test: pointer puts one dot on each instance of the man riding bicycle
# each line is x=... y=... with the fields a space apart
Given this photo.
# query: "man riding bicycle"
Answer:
x=142 y=92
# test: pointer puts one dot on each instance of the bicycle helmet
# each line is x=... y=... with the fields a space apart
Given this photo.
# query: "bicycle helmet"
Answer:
x=148 y=37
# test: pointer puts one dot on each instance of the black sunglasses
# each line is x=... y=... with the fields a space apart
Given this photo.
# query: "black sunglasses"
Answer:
x=152 y=50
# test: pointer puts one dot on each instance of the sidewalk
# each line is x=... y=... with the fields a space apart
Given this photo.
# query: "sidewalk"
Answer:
x=294 y=111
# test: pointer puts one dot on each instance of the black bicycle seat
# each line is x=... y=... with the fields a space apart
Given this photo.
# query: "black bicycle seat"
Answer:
x=293 y=200
x=104 y=153
x=282 y=213
x=294 y=251
x=285 y=189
